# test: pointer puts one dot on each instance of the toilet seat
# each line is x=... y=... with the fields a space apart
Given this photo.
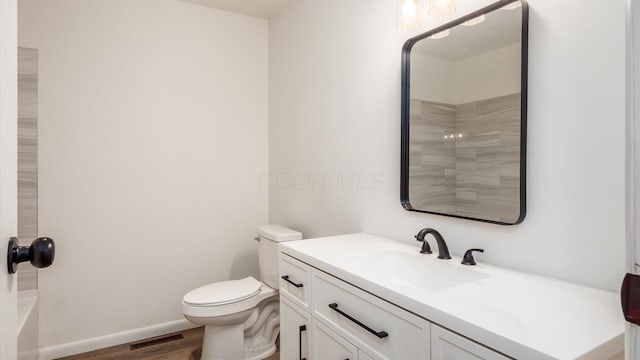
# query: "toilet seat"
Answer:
x=229 y=307
x=223 y=292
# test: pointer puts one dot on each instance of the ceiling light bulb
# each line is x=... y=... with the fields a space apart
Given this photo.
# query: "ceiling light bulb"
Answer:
x=440 y=35
x=409 y=8
x=513 y=5
x=475 y=21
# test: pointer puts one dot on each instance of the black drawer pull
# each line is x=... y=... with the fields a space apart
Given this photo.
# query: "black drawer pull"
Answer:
x=301 y=329
x=379 y=334
x=286 y=278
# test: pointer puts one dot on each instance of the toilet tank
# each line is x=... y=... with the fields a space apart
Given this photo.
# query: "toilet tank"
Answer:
x=269 y=237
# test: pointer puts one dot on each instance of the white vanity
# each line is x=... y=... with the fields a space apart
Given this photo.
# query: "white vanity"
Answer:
x=364 y=297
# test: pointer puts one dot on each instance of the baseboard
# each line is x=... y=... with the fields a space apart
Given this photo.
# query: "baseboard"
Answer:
x=101 y=342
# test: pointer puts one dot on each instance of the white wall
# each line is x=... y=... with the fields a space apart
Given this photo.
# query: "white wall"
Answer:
x=431 y=78
x=488 y=75
x=483 y=76
x=334 y=109
x=153 y=137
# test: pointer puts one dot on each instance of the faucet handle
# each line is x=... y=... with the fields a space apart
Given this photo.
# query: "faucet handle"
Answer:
x=468 y=259
x=426 y=249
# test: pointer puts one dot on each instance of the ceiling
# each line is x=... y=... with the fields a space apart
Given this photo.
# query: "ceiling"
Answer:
x=257 y=8
x=501 y=28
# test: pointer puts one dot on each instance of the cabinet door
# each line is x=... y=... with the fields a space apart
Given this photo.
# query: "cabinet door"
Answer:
x=295 y=325
x=446 y=345
x=327 y=345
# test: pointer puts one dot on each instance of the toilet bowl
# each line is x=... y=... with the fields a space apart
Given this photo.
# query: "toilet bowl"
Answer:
x=241 y=317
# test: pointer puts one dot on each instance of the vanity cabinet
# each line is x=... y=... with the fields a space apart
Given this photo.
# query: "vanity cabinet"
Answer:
x=325 y=318
x=389 y=301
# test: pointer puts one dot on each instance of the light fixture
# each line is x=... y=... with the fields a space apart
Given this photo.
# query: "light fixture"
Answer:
x=409 y=14
x=513 y=5
x=440 y=35
x=474 y=21
x=409 y=8
x=441 y=7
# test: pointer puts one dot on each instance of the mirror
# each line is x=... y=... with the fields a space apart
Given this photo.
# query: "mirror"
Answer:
x=464 y=106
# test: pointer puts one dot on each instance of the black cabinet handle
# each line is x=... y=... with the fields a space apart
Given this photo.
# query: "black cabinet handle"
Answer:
x=379 y=334
x=286 y=278
x=301 y=329
x=40 y=254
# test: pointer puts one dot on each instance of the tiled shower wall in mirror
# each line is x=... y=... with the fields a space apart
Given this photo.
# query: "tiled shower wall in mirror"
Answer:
x=465 y=158
x=27 y=159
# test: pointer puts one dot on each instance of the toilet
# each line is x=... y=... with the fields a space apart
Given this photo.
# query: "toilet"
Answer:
x=241 y=317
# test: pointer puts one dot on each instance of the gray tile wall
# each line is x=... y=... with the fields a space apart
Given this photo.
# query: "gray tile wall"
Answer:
x=475 y=172
x=432 y=158
x=27 y=159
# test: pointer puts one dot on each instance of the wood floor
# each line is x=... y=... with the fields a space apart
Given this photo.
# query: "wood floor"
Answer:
x=188 y=348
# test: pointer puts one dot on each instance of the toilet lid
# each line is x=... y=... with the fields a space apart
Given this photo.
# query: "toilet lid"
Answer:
x=223 y=292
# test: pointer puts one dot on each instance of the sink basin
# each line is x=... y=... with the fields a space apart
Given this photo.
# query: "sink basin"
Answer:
x=413 y=270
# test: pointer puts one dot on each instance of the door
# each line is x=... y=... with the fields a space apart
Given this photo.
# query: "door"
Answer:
x=629 y=298
x=8 y=171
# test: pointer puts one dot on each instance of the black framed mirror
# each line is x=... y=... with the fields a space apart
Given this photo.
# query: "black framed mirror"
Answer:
x=464 y=116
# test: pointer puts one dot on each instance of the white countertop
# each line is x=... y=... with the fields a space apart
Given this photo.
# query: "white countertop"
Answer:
x=523 y=316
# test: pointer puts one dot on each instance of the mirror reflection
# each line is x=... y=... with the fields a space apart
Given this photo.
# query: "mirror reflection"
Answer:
x=465 y=119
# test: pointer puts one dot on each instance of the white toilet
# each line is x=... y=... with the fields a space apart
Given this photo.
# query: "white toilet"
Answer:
x=241 y=317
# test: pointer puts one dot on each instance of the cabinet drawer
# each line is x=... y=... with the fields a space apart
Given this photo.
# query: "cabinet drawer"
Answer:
x=295 y=281
x=379 y=328
x=327 y=345
x=447 y=345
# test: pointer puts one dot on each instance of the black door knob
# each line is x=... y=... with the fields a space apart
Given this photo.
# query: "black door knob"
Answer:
x=41 y=253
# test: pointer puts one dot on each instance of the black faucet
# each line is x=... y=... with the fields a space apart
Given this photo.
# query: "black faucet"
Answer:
x=443 y=250
x=468 y=259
